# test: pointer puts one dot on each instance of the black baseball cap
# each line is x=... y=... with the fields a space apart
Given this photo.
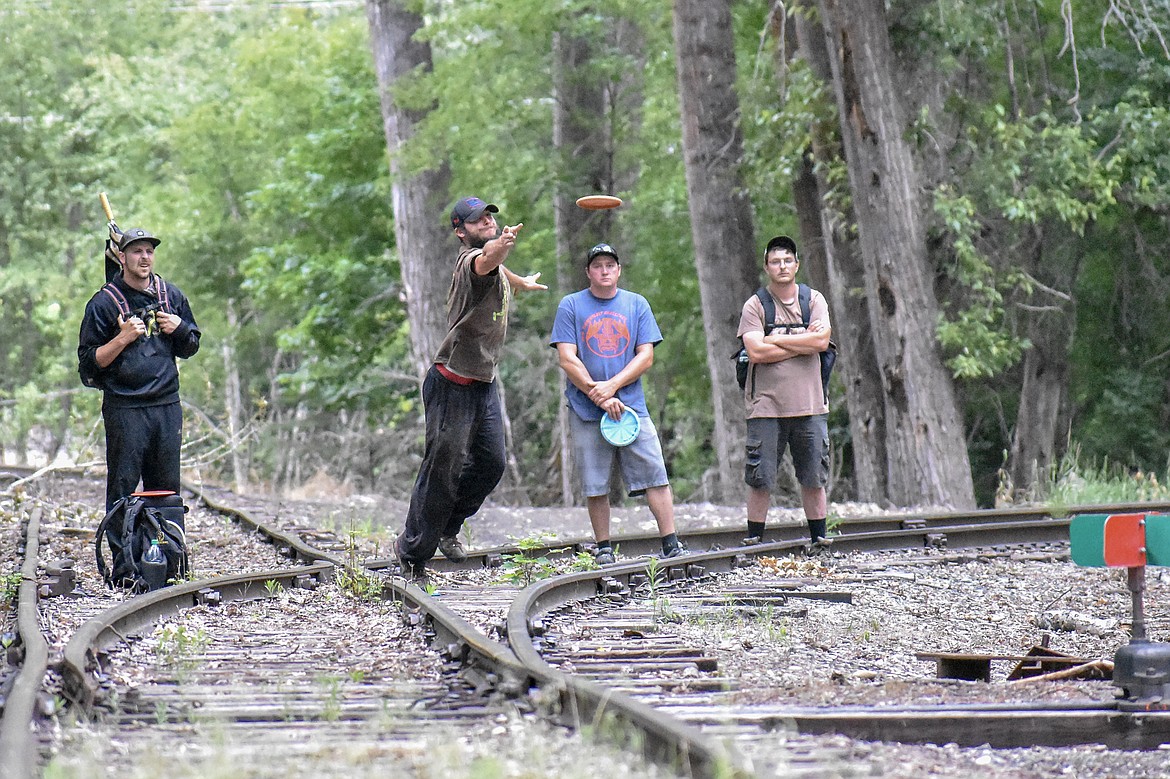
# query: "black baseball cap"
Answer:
x=781 y=242
x=600 y=249
x=136 y=234
x=468 y=210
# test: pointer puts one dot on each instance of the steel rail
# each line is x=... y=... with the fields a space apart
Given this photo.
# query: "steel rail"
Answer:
x=998 y=725
x=583 y=703
x=578 y=703
x=290 y=546
x=81 y=659
x=637 y=544
x=18 y=753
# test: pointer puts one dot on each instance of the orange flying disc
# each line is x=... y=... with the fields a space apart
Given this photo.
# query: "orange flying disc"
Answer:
x=599 y=202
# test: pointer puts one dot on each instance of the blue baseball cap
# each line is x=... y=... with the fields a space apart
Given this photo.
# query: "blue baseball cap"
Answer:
x=468 y=210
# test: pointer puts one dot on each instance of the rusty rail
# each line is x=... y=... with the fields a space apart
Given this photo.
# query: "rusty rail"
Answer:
x=18 y=752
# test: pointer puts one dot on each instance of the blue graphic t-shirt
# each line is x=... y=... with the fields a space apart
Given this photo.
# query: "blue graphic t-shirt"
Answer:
x=607 y=333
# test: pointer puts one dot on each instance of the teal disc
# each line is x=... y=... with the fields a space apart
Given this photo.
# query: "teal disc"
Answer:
x=622 y=432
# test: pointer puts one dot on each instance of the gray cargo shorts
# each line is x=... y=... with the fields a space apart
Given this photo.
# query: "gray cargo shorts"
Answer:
x=806 y=437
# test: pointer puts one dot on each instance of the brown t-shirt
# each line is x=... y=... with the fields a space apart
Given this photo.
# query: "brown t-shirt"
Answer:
x=477 y=320
x=792 y=387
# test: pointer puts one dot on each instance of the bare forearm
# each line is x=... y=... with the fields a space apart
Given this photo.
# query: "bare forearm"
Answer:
x=109 y=352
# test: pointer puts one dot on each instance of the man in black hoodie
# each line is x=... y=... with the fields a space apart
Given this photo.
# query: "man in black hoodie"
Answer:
x=133 y=330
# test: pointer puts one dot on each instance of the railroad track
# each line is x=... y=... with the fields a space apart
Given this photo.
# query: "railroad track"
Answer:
x=607 y=627
x=275 y=682
x=680 y=729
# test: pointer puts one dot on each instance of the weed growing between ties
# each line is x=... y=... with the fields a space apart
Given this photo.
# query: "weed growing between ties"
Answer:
x=10 y=582
x=178 y=648
x=661 y=610
x=354 y=580
x=331 y=705
x=359 y=583
x=526 y=566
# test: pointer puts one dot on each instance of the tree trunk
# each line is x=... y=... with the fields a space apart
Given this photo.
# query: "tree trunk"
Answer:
x=426 y=248
x=928 y=462
x=720 y=210
x=233 y=401
x=1050 y=328
x=832 y=259
x=581 y=143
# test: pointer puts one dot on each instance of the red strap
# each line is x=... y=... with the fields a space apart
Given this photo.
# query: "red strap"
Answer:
x=161 y=288
x=119 y=299
x=453 y=377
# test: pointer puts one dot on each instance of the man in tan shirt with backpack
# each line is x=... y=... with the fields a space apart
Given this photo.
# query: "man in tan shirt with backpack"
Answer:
x=785 y=401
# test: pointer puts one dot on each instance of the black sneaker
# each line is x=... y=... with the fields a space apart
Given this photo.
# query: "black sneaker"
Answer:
x=604 y=556
x=452 y=549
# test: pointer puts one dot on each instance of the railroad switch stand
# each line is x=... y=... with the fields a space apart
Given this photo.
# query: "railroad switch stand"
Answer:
x=1141 y=668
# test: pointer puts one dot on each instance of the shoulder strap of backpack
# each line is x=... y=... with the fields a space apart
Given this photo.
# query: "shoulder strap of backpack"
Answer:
x=804 y=295
x=769 y=307
x=103 y=569
x=119 y=299
x=161 y=287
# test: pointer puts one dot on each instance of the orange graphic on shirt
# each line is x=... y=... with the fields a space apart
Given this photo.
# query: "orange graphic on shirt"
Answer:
x=606 y=334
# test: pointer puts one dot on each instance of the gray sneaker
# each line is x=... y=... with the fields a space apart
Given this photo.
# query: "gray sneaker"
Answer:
x=752 y=540
x=604 y=556
x=678 y=551
x=452 y=549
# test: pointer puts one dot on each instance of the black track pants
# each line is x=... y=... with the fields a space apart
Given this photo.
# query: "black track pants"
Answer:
x=142 y=444
x=462 y=464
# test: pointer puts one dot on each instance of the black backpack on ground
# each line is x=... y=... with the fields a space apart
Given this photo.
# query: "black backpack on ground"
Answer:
x=129 y=528
x=743 y=366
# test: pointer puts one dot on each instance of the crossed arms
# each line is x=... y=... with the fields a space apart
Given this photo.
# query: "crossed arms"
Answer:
x=782 y=345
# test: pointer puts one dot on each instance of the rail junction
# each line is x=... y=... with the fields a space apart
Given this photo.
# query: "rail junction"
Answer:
x=585 y=650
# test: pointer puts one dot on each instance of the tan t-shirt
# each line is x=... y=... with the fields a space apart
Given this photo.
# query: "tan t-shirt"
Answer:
x=792 y=387
x=477 y=318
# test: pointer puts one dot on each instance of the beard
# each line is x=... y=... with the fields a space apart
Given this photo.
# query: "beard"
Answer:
x=478 y=242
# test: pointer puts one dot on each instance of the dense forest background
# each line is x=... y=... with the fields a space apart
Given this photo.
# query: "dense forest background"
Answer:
x=982 y=189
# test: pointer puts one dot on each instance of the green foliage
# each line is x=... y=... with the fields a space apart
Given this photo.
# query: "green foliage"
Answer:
x=252 y=141
x=1025 y=172
x=1082 y=481
x=10 y=587
x=178 y=648
x=524 y=567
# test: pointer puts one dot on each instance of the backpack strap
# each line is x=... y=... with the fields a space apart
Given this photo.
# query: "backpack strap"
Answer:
x=119 y=299
x=804 y=295
x=765 y=298
x=102 y=528
x=161 y=288
x=769 y=305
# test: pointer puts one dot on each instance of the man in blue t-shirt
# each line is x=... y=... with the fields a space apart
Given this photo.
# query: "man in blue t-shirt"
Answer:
x=605 y=337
